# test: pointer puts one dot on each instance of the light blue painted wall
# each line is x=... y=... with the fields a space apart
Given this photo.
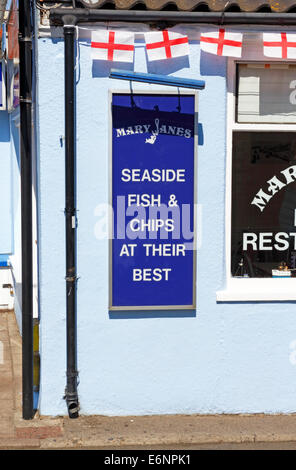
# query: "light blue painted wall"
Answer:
x=227 y=358
x=15 y=258
x=10 y=200
x=5 y=185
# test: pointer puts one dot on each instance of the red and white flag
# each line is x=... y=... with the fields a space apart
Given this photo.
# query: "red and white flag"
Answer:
x=166 y=45
x=117 y=46
x=279 y=45
x=222 y=43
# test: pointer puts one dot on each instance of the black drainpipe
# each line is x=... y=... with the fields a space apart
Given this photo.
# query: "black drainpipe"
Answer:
x=71 y=394
x=25 y=64
x=69 y=18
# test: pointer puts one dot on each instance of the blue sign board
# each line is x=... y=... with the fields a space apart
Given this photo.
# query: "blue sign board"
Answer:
x=153 y=201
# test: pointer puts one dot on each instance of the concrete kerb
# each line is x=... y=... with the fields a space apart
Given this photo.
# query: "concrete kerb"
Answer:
x=106 y=432
x=114 y=432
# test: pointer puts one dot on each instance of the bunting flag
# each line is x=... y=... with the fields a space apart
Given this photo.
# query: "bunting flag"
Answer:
x=166 y=45
x=117 y=46
x=279 y=45
x=222 y=43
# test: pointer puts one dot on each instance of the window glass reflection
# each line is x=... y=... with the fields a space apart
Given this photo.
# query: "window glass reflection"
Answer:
x=264 y=204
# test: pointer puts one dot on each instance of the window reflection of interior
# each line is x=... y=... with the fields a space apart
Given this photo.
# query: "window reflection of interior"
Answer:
x=263 y=234
x=266 y=93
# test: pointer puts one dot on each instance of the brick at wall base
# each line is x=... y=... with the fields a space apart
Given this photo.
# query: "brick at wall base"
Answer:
x=41 y=432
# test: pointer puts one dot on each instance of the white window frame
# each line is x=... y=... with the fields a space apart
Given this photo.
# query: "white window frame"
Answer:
x=248 y=289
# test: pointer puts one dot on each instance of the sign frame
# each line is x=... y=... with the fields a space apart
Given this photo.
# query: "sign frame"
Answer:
x=3 y=85
x=193 y=93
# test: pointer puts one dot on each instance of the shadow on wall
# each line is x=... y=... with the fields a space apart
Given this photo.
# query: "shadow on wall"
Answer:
x=200 y=134
x=4 y=127
x=212 y=65
x=165 y=67
x=101 y=68
x=16 y=137
x=140 y=314
x=17 y=301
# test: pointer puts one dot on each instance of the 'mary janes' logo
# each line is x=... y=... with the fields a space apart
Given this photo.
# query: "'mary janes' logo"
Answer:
x=154 y=132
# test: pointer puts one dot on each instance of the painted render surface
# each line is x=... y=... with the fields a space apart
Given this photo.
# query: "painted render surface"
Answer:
x=15 y=258
x=223 y=358
x=10 y=210
x=5 y=185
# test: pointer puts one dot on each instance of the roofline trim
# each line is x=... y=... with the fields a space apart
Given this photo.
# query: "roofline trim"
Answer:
x=84 y=15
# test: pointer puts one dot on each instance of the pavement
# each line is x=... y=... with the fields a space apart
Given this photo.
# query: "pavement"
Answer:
x=129 y=432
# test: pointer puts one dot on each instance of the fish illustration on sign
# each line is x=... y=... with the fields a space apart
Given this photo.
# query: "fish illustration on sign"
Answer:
x=153 y=137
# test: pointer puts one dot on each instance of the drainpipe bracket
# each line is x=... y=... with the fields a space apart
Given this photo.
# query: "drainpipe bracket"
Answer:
x=70 y=211
x=69 y=21
x=72 y=374
x=25 y=39
x=71 y=278
x=25 y=100
x=72 y=403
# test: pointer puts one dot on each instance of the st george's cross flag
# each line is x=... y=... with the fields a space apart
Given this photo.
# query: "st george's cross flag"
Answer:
x=222 y=43
x=166 y=45
x=279 y=45
x=117 y=46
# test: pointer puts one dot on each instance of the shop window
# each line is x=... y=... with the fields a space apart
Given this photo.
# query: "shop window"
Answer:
x=263 y=204
x=263 y=214
x=266 y=93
